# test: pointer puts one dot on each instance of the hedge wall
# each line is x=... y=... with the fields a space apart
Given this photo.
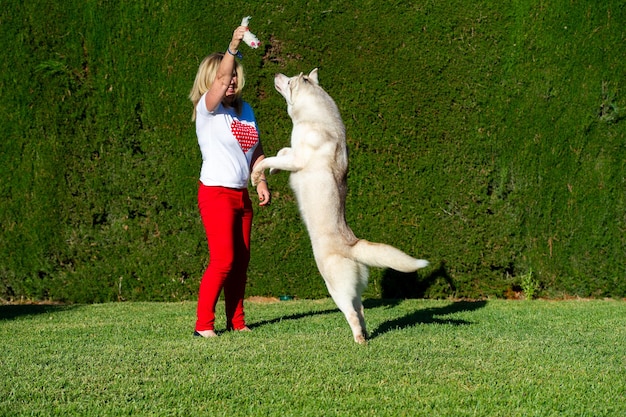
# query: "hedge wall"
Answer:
x=489 y=138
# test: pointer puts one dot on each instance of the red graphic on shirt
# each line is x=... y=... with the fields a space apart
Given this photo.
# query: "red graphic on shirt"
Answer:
x=246 y=135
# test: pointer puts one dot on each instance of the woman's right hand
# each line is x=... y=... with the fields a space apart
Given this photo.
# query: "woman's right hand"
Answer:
x=237 y=38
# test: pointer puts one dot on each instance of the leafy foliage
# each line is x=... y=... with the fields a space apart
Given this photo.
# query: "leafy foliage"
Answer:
x=488 y=138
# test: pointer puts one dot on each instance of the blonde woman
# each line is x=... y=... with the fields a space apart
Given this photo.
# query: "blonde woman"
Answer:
x=229 y=142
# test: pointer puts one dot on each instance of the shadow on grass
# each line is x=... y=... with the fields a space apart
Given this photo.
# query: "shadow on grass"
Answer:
x=435 y=315
x=436 y=282
x=13 y=311
x=296 y=316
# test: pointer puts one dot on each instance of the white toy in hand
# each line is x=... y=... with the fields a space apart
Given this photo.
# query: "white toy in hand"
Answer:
x=250 y=38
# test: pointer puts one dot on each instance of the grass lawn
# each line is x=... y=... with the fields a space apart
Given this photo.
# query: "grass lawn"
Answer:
x=425 y=357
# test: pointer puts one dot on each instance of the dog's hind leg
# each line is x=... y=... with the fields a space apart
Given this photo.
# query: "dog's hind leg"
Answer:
x=346 y=280
x=352 y=309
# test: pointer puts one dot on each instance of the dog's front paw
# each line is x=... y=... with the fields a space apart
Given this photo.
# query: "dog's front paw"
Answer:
x=282 y=153
x=256 y=176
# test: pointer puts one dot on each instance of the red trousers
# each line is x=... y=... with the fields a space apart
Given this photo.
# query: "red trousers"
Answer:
x=227 y=217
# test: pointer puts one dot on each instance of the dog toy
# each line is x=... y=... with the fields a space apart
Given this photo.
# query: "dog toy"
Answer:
x=250 y=38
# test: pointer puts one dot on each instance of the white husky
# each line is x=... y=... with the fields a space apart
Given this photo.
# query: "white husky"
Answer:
x=318 y=162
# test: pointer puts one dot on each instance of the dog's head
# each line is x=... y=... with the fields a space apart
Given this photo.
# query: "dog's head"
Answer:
x=291 y=88
x=307 y=102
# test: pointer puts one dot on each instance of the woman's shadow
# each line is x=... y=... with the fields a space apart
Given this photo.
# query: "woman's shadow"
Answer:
x=14 y=311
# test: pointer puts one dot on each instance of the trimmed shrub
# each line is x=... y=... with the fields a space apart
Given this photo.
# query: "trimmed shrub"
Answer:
x=488 y=138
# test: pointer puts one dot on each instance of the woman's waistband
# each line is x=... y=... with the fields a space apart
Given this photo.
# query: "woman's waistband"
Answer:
x=221 y=186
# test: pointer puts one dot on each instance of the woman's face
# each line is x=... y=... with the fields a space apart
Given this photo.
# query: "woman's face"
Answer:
x=233 y=85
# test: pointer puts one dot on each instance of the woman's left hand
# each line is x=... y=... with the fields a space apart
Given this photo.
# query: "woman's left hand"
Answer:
x=263 y=191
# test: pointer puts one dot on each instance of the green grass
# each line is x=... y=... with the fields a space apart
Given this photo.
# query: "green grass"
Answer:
x=435 y=358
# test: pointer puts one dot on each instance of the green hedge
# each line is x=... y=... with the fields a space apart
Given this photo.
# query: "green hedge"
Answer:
x=488 y=138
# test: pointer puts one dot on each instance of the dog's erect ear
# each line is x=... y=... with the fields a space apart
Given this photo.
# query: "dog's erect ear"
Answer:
x=313 y=76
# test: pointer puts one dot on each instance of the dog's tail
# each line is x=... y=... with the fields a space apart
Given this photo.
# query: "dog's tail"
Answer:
x=385 y=256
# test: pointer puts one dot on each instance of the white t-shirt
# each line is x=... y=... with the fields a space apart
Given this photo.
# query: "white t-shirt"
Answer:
x=227 y=142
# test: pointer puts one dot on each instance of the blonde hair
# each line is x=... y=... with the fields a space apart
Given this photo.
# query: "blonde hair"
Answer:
x=207 y=71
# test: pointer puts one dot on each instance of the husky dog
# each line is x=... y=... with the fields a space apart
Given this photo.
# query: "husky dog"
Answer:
x=318 y=162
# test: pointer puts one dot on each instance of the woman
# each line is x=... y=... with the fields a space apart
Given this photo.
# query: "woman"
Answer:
x=229 y=142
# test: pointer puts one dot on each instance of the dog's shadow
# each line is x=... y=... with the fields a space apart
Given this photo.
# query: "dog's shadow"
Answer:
x=434 y=315
x=396 y=287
